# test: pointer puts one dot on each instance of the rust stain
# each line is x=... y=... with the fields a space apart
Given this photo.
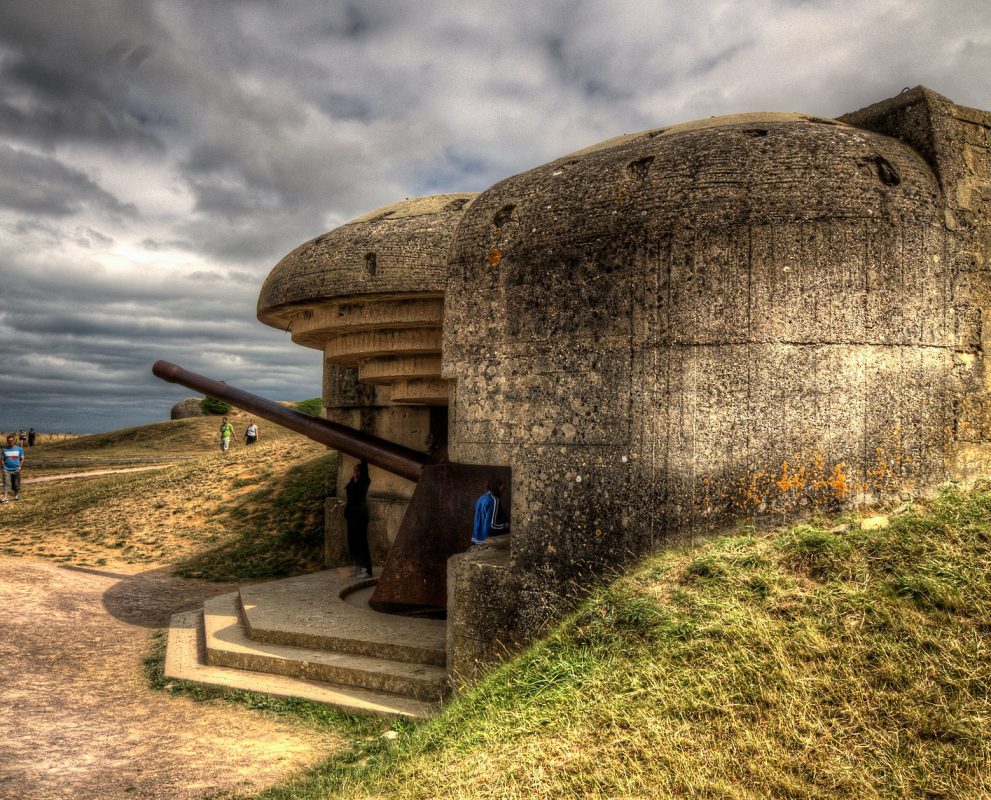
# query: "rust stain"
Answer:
x=495 y=256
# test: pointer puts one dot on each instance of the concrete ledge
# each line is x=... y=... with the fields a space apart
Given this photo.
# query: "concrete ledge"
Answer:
x=308 y=612
x=184 y=661
x=227 y=645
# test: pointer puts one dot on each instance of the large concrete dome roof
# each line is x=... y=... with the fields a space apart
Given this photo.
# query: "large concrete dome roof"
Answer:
x=724 y=171
x=398 y=248
x=653 y=331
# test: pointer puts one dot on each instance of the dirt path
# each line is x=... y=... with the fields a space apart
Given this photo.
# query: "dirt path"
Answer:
x=77 y=719
x=92 y=473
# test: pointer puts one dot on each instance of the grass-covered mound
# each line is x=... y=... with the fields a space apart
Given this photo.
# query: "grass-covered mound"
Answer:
x=171 y=440
x=250 y=513
x=799 y=664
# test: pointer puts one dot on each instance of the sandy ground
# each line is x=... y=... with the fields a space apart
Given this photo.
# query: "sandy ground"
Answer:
x=77 y=719
x=91 y=473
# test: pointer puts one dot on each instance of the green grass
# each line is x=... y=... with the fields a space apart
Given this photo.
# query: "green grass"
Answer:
x=797 y=664
x=313 y=406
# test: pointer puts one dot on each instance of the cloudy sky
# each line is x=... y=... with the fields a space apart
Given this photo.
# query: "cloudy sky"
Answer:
x=158 y=157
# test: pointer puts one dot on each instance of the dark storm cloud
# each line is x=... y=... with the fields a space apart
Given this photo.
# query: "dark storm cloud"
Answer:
x=57 y=82
x=158 y=158
x=42 y=185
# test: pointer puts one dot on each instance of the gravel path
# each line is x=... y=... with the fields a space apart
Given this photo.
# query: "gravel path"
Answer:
x=77 y=719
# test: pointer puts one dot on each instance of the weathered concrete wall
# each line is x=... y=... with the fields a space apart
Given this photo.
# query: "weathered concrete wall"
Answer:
x=368 y=409
x=956 y=142
x=744 y=317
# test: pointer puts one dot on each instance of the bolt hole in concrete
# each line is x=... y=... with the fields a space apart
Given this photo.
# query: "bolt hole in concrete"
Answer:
x=371 y=264
x=503 y=215
x=886 y=172
x=638 y=169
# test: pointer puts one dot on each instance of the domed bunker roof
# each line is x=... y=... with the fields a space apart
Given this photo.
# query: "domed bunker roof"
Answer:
x=400 y=247
x=745 y=168
x=370 y=294
x=548 y=240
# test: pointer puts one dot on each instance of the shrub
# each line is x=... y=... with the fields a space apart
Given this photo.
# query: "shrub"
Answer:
x=211 y=405
x=313 y=406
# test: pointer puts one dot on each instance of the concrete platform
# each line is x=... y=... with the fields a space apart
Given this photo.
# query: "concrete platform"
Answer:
x=185 y=661
x=329 y=611
x=313 y=637
x=229 y=645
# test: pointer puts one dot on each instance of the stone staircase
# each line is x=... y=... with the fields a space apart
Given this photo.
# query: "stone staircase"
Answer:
x=313 y=637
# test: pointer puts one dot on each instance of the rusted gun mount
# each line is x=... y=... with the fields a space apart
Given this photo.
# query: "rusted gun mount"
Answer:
x=438 y=520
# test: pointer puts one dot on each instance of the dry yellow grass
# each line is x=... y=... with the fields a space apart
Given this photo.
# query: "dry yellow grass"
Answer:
x=200 y=501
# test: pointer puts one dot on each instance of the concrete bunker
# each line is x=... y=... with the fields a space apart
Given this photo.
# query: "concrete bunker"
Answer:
x=745 y=317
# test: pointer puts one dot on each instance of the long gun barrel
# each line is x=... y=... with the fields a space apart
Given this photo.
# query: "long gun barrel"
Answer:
x=399 y=460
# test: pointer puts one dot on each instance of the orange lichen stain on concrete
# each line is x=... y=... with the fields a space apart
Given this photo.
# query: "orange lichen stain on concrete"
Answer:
x=812 y=484
x=750 y=491
x=838 y=481
x=795 y=479
x=495 y=256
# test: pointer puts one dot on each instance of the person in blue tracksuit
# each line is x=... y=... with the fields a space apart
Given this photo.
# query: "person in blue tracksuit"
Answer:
x=490 y=513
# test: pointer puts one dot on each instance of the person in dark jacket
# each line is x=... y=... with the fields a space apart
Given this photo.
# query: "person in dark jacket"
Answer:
x=490 y=514
x=356 y=514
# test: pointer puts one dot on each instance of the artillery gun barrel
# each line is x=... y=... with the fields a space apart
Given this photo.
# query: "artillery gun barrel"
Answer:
x=392 y=457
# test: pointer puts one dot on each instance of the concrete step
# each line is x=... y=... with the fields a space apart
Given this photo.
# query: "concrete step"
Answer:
x=185 y=660
x=329 y=611
x=228 y=645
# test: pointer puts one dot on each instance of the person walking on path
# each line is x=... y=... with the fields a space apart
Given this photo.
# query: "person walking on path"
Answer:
x=226 y=434
x=490 y=514
x=13 y=460
x=32 y=437
x=251 y=433
x=356 y=515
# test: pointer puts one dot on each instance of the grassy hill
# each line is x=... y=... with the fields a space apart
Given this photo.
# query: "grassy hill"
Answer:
x=799 y=664
x=174 y=440
x=248 y=513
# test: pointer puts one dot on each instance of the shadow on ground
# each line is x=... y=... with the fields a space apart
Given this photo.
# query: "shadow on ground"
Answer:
x=148 y=599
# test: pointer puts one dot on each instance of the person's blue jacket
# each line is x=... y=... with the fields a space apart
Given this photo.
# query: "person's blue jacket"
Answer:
x=13 y=457
x=489 y=519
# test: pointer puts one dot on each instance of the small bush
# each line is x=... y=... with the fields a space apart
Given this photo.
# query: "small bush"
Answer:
x=313 y=406
x=211 y=405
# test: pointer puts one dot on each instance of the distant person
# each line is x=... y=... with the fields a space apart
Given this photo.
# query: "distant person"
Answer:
x=490 y=513
x=22 y=438
x=32 y=436
x=356 y=514
x=226 y=434
x=251 y=433
x=13 y=460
